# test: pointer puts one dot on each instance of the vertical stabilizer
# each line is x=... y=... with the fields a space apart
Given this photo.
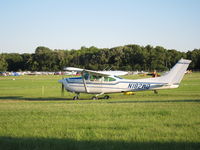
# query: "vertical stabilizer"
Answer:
x=175 y=75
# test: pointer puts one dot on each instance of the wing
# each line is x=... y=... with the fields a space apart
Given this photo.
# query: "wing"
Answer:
x=114 y=73
x=98 y=73
x=73 y=69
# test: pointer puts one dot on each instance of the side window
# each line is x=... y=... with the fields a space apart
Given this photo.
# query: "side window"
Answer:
x=109 y=79
x=95 y=78
x=112 y=79
x=92 y=78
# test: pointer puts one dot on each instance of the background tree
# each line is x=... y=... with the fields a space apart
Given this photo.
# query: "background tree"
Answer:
x=195 y=57
x=14 y=61
x=3 y=63
x=129 y=57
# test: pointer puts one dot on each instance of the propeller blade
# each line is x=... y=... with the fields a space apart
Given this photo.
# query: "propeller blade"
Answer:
x=62 y=90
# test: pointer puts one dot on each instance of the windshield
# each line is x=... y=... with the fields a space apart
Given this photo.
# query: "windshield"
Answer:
x=92 y=77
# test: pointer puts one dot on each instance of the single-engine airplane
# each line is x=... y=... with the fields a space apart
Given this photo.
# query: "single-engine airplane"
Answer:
x=99 y=83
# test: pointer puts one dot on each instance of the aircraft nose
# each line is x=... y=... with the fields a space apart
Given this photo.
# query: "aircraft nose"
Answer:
x=60 y=81
x=63 y=81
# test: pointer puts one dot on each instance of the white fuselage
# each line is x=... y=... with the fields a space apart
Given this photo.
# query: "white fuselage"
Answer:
x=95 y=82
x=119 y=85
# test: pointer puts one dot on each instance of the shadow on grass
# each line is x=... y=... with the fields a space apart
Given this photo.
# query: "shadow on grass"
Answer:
x=33 y=98
x=157 y=101
x=43 y=98
x=9 y=143
x=107 y=101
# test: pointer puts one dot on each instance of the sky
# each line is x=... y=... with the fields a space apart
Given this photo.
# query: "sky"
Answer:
x=70 y=24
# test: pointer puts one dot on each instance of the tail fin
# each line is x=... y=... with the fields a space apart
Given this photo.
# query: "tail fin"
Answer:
x=175 y=75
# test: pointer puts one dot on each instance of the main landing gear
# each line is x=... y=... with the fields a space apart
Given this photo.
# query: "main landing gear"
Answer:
x=155 y=91
x=96 y=97
x=76 y=97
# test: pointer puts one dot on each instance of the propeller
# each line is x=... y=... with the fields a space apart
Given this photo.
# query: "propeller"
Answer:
x=62 y=90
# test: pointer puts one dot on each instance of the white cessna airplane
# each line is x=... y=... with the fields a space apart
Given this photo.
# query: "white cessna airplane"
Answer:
x=99 y=83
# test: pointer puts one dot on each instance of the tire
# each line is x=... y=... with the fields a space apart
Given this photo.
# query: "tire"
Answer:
x=94 y=98
x=75 y=97
x=106 y=97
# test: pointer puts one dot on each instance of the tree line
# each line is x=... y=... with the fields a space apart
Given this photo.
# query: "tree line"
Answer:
x=128 y=57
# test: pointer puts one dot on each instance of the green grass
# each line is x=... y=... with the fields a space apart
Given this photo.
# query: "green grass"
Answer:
x=34 y=119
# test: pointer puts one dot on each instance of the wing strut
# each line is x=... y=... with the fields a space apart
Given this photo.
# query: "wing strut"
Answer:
x=82 y=73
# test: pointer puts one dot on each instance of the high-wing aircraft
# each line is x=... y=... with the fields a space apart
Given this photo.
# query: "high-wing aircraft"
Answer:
x=99 y=83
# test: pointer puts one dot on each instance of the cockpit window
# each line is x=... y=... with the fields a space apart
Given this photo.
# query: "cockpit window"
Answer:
x=95 y=78
x=92 y=77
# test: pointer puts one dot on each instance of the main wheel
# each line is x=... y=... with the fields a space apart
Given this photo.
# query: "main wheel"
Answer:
x=94 y=98
x=155 y=92
x=75 y=97
x=106 y=97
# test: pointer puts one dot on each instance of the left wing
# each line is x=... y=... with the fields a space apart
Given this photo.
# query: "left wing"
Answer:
x=115 y=73
x=73 y=69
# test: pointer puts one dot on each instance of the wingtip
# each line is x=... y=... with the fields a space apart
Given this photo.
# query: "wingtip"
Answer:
x=184 y=60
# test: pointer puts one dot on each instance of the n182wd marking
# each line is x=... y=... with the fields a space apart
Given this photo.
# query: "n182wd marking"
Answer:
x=138 y=86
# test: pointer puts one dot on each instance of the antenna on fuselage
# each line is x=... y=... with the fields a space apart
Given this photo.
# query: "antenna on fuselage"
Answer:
x=110 y=69
x=105 y=68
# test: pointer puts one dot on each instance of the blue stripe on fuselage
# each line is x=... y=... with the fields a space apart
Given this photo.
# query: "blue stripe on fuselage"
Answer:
x=103 y=83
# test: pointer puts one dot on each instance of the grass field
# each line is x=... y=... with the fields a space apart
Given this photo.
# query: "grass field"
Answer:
x=34 y=115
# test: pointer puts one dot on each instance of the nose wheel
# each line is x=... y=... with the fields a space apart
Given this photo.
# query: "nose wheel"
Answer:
x=75 y=97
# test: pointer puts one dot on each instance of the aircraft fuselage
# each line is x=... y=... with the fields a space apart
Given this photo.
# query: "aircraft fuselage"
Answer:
x=119 y=85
